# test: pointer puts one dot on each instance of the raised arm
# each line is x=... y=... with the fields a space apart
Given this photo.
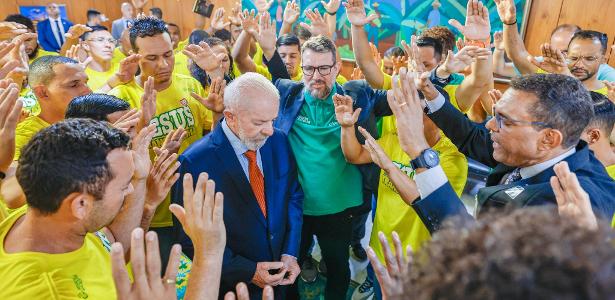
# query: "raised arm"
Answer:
x=515 y=49
x=347 y=118
x=500 y=66
x=331 y=9
x=241 y=50
x=290 y=17
x=355 y=11
x=317 y=25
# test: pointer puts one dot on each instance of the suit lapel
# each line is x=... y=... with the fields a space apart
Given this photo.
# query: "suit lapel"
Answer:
x=497 y=174
x=230 y=164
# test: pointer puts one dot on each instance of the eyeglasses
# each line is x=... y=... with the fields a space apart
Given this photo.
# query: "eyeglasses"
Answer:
x=322 y=70
x=500 y=121
x=102 y=40
x=571 y=60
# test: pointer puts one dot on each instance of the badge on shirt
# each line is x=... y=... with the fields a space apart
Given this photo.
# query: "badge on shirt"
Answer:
x=514 y=192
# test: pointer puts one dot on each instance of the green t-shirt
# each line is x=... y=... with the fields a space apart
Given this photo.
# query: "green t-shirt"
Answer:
x=330 y=184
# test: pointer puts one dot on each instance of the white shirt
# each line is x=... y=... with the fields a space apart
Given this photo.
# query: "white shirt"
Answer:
x=54 y=29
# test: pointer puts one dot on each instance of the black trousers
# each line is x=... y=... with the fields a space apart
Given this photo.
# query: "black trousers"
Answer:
x=334 y=233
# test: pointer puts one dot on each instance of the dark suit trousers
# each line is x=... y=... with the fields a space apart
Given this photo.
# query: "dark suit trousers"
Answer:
x=334 y=233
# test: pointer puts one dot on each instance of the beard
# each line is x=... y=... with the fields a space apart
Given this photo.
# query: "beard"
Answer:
x=34 y=52
x=321 y=93
x=586 y=74
x=252 y=143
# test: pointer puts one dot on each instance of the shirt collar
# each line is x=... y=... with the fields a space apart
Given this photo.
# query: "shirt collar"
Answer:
x=236 y=143
x=59 y=18
x=534 y=170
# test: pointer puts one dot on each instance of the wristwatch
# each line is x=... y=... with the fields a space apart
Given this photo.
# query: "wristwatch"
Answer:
x=427 y=159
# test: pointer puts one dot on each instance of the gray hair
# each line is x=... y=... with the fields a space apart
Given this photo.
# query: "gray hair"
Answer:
x=41 y=70
x=563 y=103
x=244 y=87
x=320 y=44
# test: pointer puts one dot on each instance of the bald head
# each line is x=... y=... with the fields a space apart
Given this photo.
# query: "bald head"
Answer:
x=127 y=10
x=250 y=90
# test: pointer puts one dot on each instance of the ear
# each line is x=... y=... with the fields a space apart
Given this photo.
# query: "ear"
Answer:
x=551 y=139
x=230 y=118
x=40 y=91
x=80 y=204
x=593 y=136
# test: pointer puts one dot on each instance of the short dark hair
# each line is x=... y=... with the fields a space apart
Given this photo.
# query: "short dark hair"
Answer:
x=603 y=38
x=563 y=103
x=94 y=29
x=604 y=113
x=320 y=44
x=288 y=40
x=95 y=106
x=41 y=69
x=223 y=34
x=529 y=253
x=156 y=11
x=67 y=157
x=198 y=36
x=394 y=51
x=442 y=34
x=425 y=41
x=173 y=24
x=92 y=13
x=562 y=27
x=146 y=27
x=301 y=32
x=21 y=19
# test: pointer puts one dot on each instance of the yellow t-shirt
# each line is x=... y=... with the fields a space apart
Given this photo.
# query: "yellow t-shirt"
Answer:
x=392 y=213
x=25 y=131
x=117 y=57
x=181 y=64
x=258 y=56
x=96 y=79
x=80 y=274
x=175 y=108
x=181 y=45
x=42 y=52
x=451 y=89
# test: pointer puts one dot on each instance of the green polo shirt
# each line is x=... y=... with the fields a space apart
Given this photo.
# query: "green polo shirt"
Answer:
x=330 y=184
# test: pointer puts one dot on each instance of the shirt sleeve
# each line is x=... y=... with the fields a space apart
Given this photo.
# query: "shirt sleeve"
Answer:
x=435 y=104
x=429 y=181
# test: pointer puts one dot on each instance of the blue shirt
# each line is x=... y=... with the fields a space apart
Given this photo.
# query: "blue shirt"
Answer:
x=240 y=149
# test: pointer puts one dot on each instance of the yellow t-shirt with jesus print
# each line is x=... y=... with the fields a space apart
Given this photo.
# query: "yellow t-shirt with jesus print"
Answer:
x=175 y=108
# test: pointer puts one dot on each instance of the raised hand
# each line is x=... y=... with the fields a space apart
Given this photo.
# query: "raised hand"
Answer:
x=249 y=22
x=215 y=99
x=241 y=293
x=172 y=142
x=495 y=95
x=572 y=201
x=10 y=109
x=398 y=63
x=146 y=267
x=357 y=74
x=459 y=61
x=139 y=4
x=73 y=53
x=204 y=57
x=76 y=31
x=291 y=12
x=235 y=16
x=9 y=30
x=201 y=217
x=161 y=178
x=217 y=21
x=128 y=68
x=344 y=114
x=318 y=26
x=379 y=157
x=148 y=102
x=332 y=7
x=477 y=26
x=405 y=104
x=129 y=121
x=355 y=11
x=266 y=37
x=412 y=52
x=140 y=151
x=262 y=5
x=553 y=60
x=498 y=40
x=391 y=277
x=507 y=11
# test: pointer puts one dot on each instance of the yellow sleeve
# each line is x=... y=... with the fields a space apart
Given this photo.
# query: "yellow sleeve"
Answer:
x=123 y=92
x=258 y=56
x=387 y=81
x=341 y=79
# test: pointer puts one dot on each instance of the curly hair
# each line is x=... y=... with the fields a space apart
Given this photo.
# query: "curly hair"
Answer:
x=67 y=157
x=442 y=34
x=146 y=27
x=528 y=253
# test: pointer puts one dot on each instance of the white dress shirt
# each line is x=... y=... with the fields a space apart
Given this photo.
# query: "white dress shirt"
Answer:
x=54 y=28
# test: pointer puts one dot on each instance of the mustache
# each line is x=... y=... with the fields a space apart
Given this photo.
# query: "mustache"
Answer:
x=579 y=69
x=317 y=81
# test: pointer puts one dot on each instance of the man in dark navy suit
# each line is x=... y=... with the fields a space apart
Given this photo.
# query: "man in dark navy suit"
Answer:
x=253 y=165
x=537 y=123
x=52 y=30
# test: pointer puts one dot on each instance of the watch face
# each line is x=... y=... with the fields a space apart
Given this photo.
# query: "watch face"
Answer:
x=431 y=158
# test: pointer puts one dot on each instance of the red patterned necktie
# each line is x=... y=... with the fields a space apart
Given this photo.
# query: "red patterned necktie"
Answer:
x=257 y=182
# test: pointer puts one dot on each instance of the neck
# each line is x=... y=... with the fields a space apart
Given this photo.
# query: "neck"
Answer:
x=550 y=156
x=29 y=234
x=159 y=87
x=49 y=116
x=593 y=83
x=99 y=65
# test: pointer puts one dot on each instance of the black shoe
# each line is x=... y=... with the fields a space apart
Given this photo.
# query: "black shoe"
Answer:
x=308 y=270
x=359 y=253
